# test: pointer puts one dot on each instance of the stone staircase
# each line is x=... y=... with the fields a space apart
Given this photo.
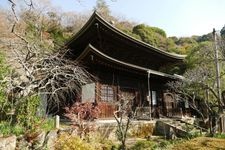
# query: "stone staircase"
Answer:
x=184 y=128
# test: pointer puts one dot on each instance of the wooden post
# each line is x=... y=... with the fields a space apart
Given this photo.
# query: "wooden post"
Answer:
x=57 y=120
x=149 y=95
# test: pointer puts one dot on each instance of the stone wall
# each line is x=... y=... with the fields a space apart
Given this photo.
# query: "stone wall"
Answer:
x=39 y=140
x=46 y=140
x=108 y=129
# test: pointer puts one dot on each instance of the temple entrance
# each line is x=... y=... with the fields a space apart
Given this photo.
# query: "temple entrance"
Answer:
x=168 y=101
x=109 y=107
x=107 y=110
x=107 y=97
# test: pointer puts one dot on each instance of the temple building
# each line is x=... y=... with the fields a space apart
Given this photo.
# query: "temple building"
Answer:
x=123 y=65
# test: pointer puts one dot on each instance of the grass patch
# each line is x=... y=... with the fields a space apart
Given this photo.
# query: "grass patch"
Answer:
x=154 y=144
x=144 y=145
x=219 y=135
x=201 y=143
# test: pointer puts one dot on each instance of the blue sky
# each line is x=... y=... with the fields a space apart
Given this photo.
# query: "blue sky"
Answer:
x=176 y=17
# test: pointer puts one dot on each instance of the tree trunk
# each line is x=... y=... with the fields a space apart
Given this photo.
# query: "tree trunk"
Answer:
x=123 y=146
x=210 y=125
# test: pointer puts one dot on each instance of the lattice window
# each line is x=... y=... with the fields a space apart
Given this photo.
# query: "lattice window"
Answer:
x=107 y=93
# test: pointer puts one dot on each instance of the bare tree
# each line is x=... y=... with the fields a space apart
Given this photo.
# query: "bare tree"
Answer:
x=123 y=116
x=45 y=71
x=200 y=83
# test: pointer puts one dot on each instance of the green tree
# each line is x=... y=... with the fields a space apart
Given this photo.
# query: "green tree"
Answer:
x=151 y=35
x=222 y=41
x=5 y=106
x=199 y=83
x=205 y=37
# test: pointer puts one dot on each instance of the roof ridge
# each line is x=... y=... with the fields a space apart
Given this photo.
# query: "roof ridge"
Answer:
x=96 y=15
x=141 y=42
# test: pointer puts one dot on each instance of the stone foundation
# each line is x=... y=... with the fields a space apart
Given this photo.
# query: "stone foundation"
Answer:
x=43 y=140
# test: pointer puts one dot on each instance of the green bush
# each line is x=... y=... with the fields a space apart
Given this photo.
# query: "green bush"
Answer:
x=19 y=111
x=7 y=129
x=26 y=115
x=48 y=124
x=162 y=144
x=154 y=144
x=92 y=141
x=5 y=104
x=144 y=145
x=26 y=111
x=219 y=135
x=69 y=142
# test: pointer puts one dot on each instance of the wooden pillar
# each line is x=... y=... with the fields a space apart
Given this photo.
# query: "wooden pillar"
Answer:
x=149 y=95
x=97 y=92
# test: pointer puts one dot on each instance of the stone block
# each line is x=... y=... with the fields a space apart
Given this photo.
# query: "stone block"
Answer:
x=8 y=143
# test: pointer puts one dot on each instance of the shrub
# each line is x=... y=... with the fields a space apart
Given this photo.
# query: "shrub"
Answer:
x=69 y=142
x=99 y=141
x=26 y=115
x=143 y=145
x=7 y=129
x=154 y=144
x=48 y=124
x=83 y=111
x=93 y=141
x=80 y=114
x=163 y=144
x=26 y=111
x=5 y=104
x=143 y=131
x=219 y=135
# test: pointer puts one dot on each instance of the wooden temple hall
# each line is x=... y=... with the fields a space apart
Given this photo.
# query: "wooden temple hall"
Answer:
x=123 y=65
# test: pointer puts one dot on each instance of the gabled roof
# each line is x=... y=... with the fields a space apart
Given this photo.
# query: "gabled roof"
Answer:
x=96 y=17
x=89 y=50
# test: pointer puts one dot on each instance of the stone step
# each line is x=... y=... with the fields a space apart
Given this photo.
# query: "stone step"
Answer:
x=180 y=128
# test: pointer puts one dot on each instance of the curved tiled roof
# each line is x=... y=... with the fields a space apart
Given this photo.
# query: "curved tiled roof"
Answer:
x=95 y=16
x=91 y=48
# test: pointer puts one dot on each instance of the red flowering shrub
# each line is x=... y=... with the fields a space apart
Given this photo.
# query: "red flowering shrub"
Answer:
x=80 y=114
x=82 y=111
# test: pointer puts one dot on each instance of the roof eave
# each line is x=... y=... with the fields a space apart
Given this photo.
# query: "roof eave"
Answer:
x=103 y=21
x=95 y=15
x=99 y=53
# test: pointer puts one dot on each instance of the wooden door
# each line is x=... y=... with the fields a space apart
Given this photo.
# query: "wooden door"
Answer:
x=168 y=100
x=107 y=109
x=107 y=98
